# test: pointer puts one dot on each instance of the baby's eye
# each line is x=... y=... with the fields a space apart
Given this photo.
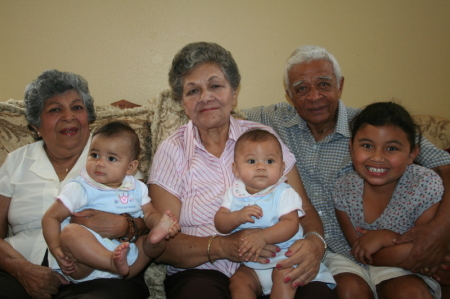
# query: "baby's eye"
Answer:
x=112 y=159
x=251 y=161
x=270 y=161
x=94 y=155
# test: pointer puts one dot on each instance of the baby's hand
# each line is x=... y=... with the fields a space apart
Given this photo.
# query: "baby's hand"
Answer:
x=67 y=267
x=252 y=245
x=247 y=213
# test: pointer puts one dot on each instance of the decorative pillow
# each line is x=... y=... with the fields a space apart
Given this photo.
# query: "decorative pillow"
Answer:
x=14 y=131
x=435 y=128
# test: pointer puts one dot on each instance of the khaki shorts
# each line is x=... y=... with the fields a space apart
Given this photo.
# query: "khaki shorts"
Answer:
x=373 y=275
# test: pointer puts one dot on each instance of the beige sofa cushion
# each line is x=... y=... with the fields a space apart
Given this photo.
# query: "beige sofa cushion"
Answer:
x=14 y=131
x=436 y=129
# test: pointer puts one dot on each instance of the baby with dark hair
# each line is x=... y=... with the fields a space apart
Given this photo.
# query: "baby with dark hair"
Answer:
x=106 y=184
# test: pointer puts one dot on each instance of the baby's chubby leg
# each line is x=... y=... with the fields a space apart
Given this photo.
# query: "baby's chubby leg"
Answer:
x=244 y=283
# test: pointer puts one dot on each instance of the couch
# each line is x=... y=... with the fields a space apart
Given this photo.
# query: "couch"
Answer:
x=154 y=122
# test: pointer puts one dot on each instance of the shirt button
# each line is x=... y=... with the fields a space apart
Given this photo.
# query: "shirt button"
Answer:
x=320 y=213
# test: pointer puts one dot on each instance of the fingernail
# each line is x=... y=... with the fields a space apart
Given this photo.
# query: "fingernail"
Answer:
x=288 y=252
x=278 y=249
x=287 y=279
x=278 y=266
x=295 y=285
x=267 y=261
x=274 y=255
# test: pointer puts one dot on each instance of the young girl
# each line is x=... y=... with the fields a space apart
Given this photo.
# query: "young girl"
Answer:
x=260 y=198
x=106 y=184
x=385 y=197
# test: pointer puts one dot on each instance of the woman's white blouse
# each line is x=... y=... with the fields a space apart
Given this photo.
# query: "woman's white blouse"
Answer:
x=28 y=177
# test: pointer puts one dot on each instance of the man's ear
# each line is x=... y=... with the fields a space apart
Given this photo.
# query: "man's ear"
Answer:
x=341 y=87
x=132 y=168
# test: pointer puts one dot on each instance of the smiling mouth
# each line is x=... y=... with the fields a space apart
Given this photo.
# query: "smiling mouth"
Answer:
x=69 y=131
x=377 y=170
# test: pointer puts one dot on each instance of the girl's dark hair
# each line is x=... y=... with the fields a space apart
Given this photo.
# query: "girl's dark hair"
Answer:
x=387 y=114
x=122 y=130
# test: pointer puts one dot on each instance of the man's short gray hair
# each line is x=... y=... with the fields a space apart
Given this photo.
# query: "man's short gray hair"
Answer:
x=307 y=54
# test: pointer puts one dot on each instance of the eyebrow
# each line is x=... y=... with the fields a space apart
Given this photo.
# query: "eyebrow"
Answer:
x=295 y=84
x=389 y=141
x=209 y=80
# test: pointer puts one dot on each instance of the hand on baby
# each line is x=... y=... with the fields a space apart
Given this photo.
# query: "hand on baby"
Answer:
x=67 y=267
x=247 y=213
x=252 y=245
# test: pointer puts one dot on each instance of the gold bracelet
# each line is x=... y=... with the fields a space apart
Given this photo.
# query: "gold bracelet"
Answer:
x=209 y=247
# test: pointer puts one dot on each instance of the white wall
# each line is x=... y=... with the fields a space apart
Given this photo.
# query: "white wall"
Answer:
x=124 y=48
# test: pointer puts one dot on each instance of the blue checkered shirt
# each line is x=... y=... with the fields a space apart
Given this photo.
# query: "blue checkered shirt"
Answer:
x=321 y=163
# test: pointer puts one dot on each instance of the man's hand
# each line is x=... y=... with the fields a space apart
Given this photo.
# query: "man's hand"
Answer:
x=107 y=225
x=39 y=282
x=307 y=255
x=431 y=245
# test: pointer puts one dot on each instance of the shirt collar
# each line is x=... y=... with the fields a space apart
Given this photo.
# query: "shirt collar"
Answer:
x=127 y=184
x=239 y=190
x=192 y=137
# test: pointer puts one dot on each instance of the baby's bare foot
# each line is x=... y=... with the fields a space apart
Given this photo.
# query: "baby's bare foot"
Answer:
x=163 y=228
x=119 y=259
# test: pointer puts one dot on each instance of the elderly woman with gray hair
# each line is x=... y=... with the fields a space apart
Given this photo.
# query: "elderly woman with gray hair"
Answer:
x=191 y=171
x=59 y=108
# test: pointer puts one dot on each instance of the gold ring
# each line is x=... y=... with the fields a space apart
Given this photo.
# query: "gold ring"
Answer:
x=425 y=269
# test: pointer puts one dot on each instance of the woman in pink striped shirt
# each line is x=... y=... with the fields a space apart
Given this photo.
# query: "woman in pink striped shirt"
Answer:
x=191 y=171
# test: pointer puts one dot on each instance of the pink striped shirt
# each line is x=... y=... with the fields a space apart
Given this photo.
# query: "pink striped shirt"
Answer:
x=183 y=167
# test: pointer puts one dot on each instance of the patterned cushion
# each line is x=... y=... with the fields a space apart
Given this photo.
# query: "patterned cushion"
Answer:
x=435 y=128
x=14 y=131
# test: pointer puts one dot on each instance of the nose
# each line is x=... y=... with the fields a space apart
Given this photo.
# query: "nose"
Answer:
x=68 y=115
x=100 y=163
x=377 y=155
x=205 y=96
x=261 y=165
x=313 y=94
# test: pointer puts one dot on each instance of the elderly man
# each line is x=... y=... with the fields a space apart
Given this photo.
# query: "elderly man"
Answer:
x=316 y=129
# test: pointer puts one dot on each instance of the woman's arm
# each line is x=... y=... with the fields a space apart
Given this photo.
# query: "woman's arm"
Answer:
x=38 y=281
x=107 y=225
x=306 y=253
